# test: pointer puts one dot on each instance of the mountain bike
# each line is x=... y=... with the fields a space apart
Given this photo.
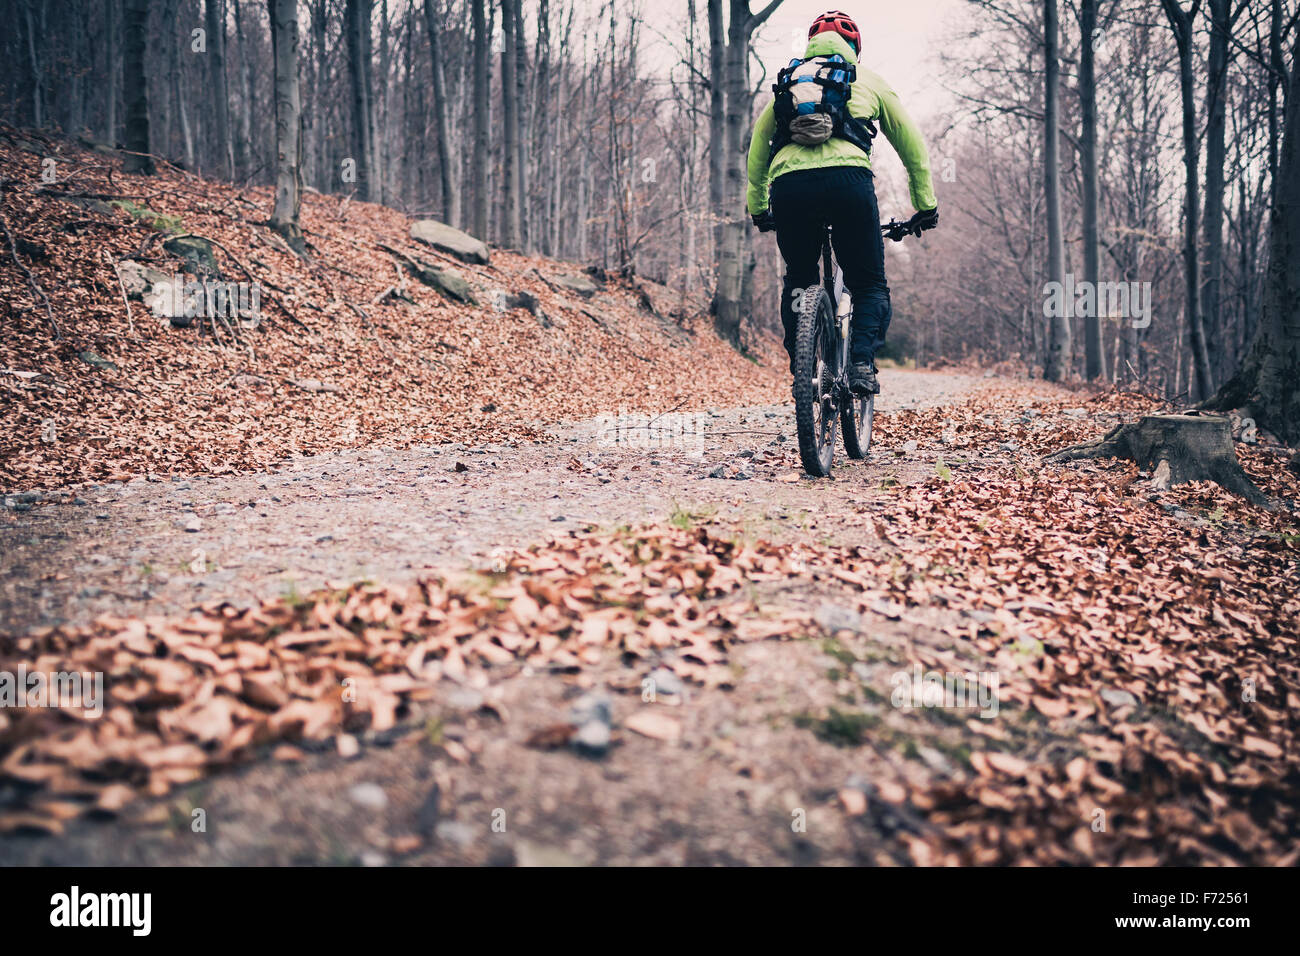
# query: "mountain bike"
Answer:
x=823 y=401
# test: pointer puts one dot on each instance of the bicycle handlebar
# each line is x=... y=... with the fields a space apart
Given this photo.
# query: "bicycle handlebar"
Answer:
x=897 y=230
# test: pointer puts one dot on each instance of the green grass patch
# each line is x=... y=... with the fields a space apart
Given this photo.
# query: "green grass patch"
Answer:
x=839 y=728
x=833 y=648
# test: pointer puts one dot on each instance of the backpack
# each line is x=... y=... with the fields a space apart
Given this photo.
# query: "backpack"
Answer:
x=812 y=104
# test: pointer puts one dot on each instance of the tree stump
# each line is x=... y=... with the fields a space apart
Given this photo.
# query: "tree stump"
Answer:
x=1178 y=449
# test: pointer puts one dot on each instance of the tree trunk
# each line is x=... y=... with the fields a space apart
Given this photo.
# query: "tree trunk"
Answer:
x=1182 y=21
x=111 y=20
x=34 y=62
x=717 y=126
x=357 y=16
x=1177 y=448
x=324 y=159
x=1216 y=95
x=1267 y=383
x=246 y=155
x=1094 y=353
x=409 y=86
x=450 y=197
x=619 y=188
x=79 y=83
x=288 y=124
x=539 y=230
x=1059 y=339
x=730 y=256
x=1277 y=62
x=511 y=220
x=178 y=89
x=482 y=146
x=522 y=131
x=135 y=89
x=582 y=202
x=218 y=93
x=379 y=106
x=729 y=307
x=561 y=167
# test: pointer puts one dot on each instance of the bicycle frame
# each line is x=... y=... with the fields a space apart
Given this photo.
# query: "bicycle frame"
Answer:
x=833 y=282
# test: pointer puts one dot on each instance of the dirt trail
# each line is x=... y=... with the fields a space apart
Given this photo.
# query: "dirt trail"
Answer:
x=748 y=781
x=385 y=514
x=793 y=746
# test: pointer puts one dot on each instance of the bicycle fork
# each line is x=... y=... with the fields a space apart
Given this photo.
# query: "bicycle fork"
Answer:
x=842 y=302
x=843 y=322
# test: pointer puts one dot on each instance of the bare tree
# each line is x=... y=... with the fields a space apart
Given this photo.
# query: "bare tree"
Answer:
x=135 y=88
x=245 y=153
x=1277 y=62
x=288 y=124
x=522 y=136
x=512 y=222
x=180 y=108
x=735 y=82
x=1182 y=22
x=1094 y=354
x=1222 y=21
x=111 y=21
x=450 y=195
x=1059 y=338
x=357 y=18
x=322 y=160
x=218 y=93
x=34 y=31
x=479 y=168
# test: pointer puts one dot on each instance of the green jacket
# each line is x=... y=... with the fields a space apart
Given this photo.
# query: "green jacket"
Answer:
x=871 y=99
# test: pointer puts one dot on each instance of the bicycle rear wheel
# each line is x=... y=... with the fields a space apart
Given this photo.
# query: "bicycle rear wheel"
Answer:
x=856 y=419
x=816 y=369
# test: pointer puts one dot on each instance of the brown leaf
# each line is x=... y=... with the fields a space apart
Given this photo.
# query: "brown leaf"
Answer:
x=651 y=723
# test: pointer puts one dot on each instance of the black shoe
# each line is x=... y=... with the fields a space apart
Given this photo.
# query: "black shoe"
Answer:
x=862 y=379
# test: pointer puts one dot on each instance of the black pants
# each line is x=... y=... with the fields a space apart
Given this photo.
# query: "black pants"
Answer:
x=843 y=197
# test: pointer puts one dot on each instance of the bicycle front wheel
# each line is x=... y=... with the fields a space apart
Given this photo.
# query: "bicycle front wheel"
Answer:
x=856 y=419
x=816 y=368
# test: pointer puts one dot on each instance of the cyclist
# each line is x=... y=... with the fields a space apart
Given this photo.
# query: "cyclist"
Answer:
x=831 y=183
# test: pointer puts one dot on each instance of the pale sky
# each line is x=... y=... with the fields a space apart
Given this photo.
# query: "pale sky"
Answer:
x=901 y=39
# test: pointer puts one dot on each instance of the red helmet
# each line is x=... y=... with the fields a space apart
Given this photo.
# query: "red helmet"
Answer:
x=840 y=23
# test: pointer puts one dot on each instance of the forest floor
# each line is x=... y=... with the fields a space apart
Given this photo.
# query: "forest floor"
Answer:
x=373 y=585
x=773 y=615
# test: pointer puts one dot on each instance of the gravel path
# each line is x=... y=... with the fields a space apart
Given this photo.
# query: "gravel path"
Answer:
x=145 y=547
x=744 y=777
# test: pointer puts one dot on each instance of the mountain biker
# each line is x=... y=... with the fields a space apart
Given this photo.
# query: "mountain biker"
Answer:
x=832 y=183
